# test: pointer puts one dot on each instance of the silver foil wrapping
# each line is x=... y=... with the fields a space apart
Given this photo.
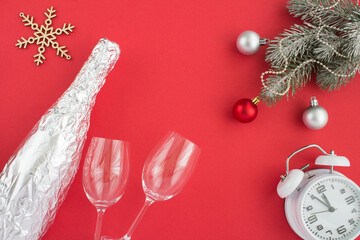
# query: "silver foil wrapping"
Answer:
x=35 y=180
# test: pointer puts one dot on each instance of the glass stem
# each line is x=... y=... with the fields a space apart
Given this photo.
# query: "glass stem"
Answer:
x=138 y=218
x=100 y=216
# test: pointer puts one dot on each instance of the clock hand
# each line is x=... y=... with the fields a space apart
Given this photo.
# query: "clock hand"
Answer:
x=323 y=196
x=331 y=208
x=322 y=211
x=326 y=199
x=322 y=202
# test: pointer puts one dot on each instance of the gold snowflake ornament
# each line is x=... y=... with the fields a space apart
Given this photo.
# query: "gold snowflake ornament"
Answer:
x=45 y=36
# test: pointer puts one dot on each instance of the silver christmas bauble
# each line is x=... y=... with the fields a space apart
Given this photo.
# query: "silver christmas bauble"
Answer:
x=248 y=42
x=315 y=117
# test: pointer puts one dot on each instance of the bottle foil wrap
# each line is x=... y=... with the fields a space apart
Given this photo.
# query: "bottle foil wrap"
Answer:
x=35 y=180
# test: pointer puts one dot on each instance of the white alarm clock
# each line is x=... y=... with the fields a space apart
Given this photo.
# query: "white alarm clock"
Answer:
x=321 y=203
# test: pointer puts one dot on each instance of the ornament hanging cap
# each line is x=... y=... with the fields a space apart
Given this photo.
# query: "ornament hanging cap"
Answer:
x=313 y=101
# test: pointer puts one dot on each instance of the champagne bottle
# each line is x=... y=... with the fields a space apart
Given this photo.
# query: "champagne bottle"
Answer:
x=35 y=180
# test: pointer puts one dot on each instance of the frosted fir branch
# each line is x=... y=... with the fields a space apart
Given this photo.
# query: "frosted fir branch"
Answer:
x=334 y=19
x=352 y=45
x=302 y=76
x=279 y=83
x=298 y=44
x=343 y=10
x=340 y=31
x=299 y=40
x=324 y=53
x=327 y=81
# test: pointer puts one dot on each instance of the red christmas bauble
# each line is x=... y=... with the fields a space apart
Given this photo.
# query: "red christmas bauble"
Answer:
x=245 y=110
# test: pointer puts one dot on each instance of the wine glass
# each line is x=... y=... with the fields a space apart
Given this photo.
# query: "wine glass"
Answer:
x=105 y=173
x=166 y=170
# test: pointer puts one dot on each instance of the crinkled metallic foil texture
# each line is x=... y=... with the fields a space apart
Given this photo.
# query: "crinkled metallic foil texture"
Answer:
x=36 y=179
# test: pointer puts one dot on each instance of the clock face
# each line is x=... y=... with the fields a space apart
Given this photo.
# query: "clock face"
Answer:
x=330 y=208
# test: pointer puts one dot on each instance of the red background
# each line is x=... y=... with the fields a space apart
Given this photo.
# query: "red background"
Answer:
x=179 y=69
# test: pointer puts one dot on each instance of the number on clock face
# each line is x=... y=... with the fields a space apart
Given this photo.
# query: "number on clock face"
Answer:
x=331 y=209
